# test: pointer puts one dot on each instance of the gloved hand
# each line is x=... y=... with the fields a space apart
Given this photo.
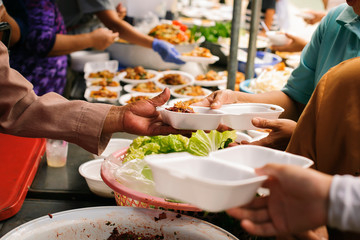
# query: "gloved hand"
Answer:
x=167 y=51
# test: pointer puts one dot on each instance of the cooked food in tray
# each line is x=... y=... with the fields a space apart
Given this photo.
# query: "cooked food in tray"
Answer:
x=199 y=52
x=137 y=98
x=102 y=74
x=105 y=82
x=181 y=107
x=190 y=91
x=209 y=76
x=147 y=87
x=175 y=33
x=138 y=73
x=103 y=92
x=173 y=79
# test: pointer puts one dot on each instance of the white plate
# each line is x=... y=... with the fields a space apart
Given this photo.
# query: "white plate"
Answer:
x=175 y=100
x=129 y=88
x=205 y=60
x=188 y=78
x=122 y=78
x=213 y=83
x=92 y=67
x=99 y=222
x=109 y=100
x=126 y=97
x=223 y=180
x=177 y=95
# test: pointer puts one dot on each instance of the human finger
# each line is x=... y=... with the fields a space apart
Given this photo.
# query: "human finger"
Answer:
x=263 y=229
x=160 y=99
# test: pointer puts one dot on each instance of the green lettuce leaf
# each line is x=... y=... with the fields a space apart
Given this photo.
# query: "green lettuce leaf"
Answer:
x=201 y=143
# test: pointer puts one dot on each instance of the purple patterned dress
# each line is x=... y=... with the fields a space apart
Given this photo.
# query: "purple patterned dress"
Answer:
x=47 y=74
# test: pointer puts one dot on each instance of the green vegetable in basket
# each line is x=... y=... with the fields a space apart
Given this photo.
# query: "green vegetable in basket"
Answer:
x=144 y=145
x=201 y=143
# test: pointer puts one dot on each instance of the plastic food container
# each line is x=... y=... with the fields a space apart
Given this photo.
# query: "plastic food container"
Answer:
x=80 y=58
x=236 y=116
x=189 y=79
x=99 y=222
x=223 y=180
x=91 y=172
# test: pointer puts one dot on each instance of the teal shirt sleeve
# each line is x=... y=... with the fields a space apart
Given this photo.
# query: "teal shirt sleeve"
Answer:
x=325 y=50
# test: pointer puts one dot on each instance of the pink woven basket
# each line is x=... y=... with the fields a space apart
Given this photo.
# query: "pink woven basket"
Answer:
x=128 y=197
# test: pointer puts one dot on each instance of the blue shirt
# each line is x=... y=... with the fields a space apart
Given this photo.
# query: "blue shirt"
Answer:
x=335 y=40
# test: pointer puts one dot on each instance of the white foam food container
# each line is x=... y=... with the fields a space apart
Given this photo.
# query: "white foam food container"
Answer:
x=91 y=67
x=223 y=180
x=238 y=116
x=235 y=116
x=102 y=99
x=203 y=60
x=114 y=145
x=204 y=118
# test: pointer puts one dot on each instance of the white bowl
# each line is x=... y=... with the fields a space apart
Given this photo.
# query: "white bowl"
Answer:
x=223 y=180
x=178 y=95
x=187 y=77
x=99 y=222
x=80 y=58
x=239 y=116
x=126 y=97
x=114 y=145
x=203 y=119
x=277 y=38
x=91 y=172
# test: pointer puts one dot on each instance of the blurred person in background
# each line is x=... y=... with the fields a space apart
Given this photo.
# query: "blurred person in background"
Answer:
x=267 y=15
x=86 y=15
x=40 y=53
x=297 y=43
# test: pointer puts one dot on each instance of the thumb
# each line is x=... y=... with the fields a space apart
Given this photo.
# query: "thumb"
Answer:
x=271 y=169
x=264 y=123
x=160 y=99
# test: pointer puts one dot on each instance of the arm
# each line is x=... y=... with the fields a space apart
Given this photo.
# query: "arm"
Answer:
x=99 y=39
x=112 y=21
x=44 y=37
x=15 y=29
x=269 y=17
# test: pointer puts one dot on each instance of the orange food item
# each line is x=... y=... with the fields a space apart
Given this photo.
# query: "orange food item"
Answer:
x=102 y=74
x=137 y=98
x=174 y=34
x=105 y=83
x=191 y=91
x=199 y=52
x=181 y=107
x=103 y=92
x=173 y=79
x=148 y=87
x=138 y=73
x=209 y=76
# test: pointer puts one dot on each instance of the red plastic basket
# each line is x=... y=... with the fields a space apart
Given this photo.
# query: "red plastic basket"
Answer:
x=125 y=196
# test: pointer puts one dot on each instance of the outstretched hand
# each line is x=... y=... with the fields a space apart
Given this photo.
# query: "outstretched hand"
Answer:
x=141 y=118
x=218 y=98
x=279 y=136
x=296 y=44
x=298 y=201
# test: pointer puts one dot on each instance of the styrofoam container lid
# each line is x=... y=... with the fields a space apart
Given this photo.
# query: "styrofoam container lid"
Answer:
x=80 y=58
